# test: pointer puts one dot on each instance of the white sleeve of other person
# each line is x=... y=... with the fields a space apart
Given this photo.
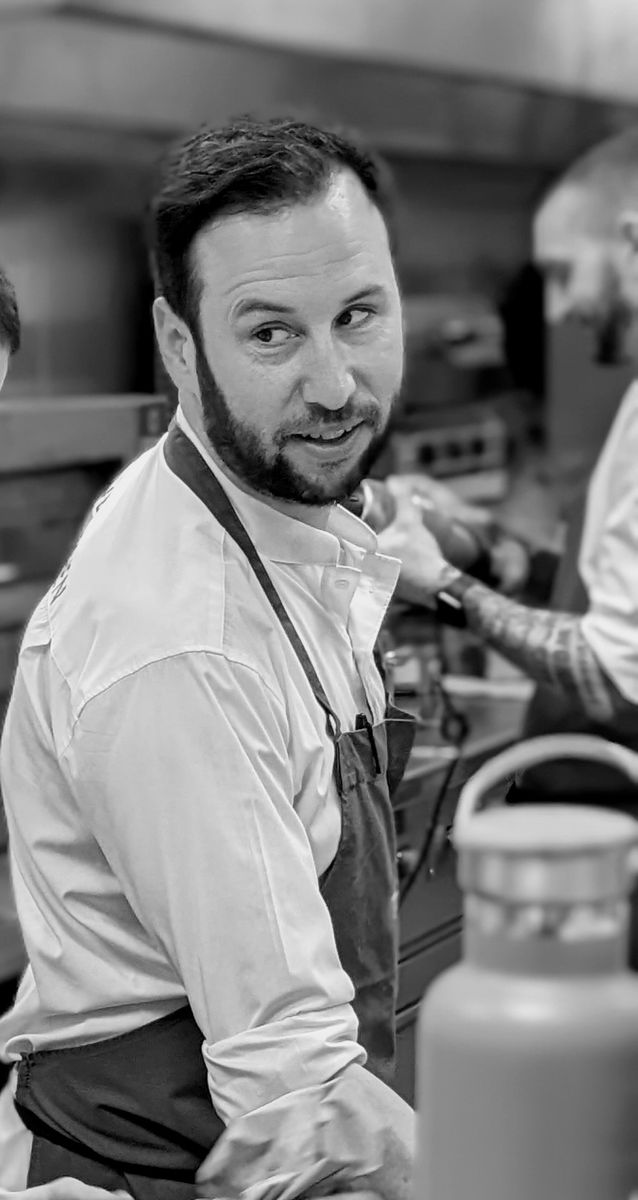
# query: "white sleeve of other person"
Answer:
x=608 y=559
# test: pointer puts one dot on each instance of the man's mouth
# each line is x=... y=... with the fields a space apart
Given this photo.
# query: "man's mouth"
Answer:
x=337 y=434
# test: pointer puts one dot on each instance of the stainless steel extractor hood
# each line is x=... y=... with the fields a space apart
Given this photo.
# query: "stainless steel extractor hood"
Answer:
x=474 y=79
x=583 y=47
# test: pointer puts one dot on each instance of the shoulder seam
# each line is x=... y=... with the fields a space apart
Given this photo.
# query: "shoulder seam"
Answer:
x=236 y=662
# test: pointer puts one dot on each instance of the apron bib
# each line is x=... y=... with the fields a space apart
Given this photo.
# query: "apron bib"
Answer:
x=134 y=1111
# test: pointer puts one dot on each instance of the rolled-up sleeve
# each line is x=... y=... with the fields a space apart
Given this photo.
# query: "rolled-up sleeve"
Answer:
x=611 y=623
x=183 y=774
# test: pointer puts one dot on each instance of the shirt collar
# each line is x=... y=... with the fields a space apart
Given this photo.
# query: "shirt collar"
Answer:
x=287 y=538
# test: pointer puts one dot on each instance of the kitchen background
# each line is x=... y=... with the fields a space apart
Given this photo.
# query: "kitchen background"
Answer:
x=477 y=104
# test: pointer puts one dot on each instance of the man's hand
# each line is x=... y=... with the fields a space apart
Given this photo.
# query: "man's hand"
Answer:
x=463 y=531
x=208 y=1192
x=423 y=567
x=62 y=1189
x=351 y=1136
x=443 y=498
x=509 y=563
x=324 y=1191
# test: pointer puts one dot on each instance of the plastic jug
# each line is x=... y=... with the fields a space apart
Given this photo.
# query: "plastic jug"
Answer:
x=527 y=1056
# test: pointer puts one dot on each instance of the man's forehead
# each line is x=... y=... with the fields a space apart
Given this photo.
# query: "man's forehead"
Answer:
x=337 y=227
x=565 y=224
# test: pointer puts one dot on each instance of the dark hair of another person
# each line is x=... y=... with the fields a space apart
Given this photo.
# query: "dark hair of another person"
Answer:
x=9 y=316
x=248 y=166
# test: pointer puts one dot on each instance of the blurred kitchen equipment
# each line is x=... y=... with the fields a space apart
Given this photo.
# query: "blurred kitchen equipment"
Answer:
x=527 y=1071
x=446 y=424
x=56 y=456
x=418 y=670
x=465 y=445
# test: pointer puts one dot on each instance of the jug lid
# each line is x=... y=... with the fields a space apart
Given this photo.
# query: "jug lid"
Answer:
x=537 y=853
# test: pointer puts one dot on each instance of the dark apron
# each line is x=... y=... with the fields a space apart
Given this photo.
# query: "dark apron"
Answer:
x=135 y=1111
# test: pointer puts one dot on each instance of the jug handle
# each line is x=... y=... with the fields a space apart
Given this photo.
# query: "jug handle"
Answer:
x=538 y=750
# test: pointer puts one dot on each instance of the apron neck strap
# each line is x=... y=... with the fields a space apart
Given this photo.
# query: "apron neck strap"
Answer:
x=185 y=461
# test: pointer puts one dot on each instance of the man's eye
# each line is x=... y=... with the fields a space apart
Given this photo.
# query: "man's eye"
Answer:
x=272 y=335
x=354 y=317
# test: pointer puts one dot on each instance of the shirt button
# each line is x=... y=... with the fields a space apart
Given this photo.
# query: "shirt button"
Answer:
x=341 y=583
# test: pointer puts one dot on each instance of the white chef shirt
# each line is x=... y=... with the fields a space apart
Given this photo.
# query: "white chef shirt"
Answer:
x=11 y=945
x=168 y=782
x=608 y=561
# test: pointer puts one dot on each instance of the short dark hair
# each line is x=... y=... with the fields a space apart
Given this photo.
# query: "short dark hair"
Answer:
x=249 y=165
x=9 y=315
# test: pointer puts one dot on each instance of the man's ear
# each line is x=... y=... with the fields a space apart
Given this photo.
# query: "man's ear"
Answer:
x=176 y=346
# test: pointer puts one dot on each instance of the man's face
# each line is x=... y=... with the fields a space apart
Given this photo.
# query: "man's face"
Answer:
x=583 y=274
x=300 y=352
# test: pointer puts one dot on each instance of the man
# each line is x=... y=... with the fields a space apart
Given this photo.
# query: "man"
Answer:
x=584 y=654
x=196 y=758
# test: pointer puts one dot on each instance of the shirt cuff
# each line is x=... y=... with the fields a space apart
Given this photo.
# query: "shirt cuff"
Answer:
x=296 y=1142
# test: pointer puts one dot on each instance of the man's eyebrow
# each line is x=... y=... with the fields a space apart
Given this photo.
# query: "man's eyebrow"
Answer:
x=253 y=304
x=373 y=292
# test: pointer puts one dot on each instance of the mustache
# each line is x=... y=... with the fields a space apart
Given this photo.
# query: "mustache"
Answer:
x=316 y=419
x=609 y=343
x=609 y=335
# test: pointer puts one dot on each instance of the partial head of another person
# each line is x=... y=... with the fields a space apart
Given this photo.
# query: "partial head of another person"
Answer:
x=278 y=315
x=9 y=324
x=586 y=244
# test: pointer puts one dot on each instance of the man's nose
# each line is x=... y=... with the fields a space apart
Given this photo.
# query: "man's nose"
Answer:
x=329 y=379
x=558 y=305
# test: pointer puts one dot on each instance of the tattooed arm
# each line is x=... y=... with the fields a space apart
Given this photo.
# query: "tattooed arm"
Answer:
x=551 y=647
x=548 y=646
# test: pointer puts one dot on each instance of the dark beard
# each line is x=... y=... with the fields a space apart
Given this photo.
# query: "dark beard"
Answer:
x=239 y=448
x=610 y=336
